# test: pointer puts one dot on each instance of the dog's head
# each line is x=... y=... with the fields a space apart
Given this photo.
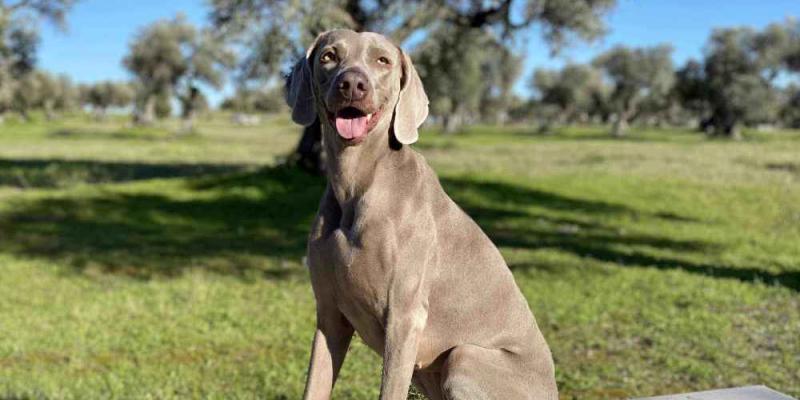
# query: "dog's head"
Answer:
x=357 y=84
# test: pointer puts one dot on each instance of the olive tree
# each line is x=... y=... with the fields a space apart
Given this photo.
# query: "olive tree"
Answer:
x=101 y=96
x=570 y=93
x=738 y=81
x=19 y=40
x=278 y=31
x=636 y=75
x=173 y=58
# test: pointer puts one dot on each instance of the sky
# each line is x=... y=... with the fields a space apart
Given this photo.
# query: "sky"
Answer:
x=100 y=31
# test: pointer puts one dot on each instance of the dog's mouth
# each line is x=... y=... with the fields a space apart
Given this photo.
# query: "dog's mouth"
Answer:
x=354 y=124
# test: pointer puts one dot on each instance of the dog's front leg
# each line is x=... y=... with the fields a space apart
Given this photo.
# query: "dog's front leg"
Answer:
x=331 y=341
x=403 y=331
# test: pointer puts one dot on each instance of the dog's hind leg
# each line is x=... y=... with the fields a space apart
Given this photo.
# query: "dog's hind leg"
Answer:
x=476 y=373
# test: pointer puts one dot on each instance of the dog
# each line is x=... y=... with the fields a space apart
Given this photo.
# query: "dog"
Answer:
x=390 y=255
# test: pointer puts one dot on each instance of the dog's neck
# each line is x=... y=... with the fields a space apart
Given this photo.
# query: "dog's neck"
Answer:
x=351 y=168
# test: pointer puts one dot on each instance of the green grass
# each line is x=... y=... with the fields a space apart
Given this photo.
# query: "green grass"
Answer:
x=137 y=263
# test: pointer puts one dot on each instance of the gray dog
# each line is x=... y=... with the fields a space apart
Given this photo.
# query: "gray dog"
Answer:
x=391 y=256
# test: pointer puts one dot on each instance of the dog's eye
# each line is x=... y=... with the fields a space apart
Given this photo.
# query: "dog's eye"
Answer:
x=328 y=57
x=383 y=60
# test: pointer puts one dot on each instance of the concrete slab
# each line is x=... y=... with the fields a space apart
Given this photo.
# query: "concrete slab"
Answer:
x=740 y=393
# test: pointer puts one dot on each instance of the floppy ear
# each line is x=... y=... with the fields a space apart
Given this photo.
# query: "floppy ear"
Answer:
x=412 y=104
x=300 y=94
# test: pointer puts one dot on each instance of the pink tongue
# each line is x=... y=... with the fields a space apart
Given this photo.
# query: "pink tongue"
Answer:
x=351 y=128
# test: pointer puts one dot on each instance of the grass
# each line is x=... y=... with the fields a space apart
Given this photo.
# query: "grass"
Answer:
x=137 y=263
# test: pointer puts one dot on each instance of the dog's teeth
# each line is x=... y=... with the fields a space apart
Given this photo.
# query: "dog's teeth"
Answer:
x=369 y=117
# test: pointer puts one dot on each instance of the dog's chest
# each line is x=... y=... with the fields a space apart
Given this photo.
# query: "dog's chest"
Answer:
x=359 y=263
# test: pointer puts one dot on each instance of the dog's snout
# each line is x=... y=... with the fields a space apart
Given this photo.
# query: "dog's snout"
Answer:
x=353 y=85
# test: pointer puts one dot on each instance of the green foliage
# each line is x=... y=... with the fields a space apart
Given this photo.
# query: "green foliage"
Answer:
x=274 y=34
x=573 y=91
x=105 y=94
x=452 y=81
x=137 y=264
x=500 y=71
x=738 y=89
x=54 y=11
x=790 y=111
x=779 y=45
x=163 y=105
x=263 y=100
x=23 y=42
x=563 y=19
x=637 y=76
x=19 y=41
x=173 y=57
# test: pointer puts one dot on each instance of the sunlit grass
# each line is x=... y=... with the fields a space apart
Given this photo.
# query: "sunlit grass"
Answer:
x=143 y=263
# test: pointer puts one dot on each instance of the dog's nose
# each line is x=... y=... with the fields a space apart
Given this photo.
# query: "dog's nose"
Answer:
x=353 y=85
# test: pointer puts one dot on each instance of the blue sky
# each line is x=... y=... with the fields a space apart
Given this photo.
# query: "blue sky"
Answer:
x=100 y=30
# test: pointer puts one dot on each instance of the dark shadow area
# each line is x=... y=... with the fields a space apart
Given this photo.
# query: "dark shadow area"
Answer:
x=227 y=224
x=238 y=222
x=50 y=173
x=122 y=134
x=496 y=208
x=793 y=168
x=649 y=136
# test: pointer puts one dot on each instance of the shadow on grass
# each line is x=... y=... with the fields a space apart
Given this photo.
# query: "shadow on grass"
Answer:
x=599 y=133
x=240 y=223
x=499 y=209
x=225 y=224
x=53 y=173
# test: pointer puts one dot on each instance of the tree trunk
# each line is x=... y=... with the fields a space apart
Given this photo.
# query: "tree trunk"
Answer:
x=308 y=154
x=626 y=112
x=188 y=122
x=99 y=114
x=48 y=110
x=146 y=114
x=728 y=129
x=620 y=125
x=451 y=122
x=546 y=126
x=725 y=124
x=189 y=104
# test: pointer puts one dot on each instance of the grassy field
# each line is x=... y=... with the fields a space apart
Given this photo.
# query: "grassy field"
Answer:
x=136 y=263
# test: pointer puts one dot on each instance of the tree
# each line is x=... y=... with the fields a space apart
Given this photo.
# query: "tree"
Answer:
x=67 y=96
x=738 y=81
x=278 y=31
x=246 y=100
x=790 y=110
x=636 y=75
x=571 y=92
x=54 y=11
x=19 y=40
x=782 y=43
x=27 y=95
x=207 y=61
x=172 y=58
x=500 y=70
x=106 y=94
x=691 y=90
x=779 y=45
x=454 y=83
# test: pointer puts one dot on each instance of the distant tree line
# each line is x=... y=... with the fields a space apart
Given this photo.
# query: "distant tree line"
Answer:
x=465 y=52
x=733 y=85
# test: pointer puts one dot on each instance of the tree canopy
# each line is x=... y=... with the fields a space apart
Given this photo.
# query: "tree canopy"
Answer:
x=172 y=58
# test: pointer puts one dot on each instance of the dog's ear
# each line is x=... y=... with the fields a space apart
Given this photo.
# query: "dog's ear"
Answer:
x=412 y=104
x=300 y=94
